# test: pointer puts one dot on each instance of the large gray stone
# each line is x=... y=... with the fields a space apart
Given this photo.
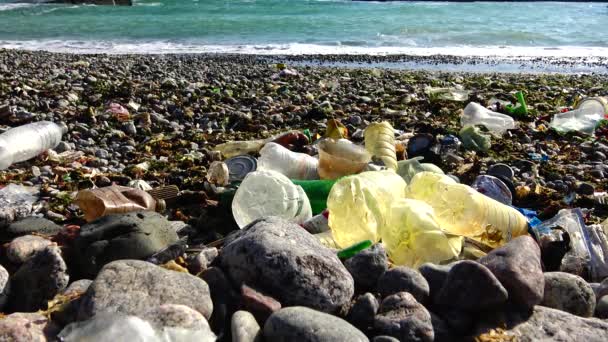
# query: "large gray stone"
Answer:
x=406 y=279
x=132 y=287
x=286 y=262
x=547 y=324
x=31 y=225
x=435 y=276
x=24 y=247
x=367 y=266
x=244 y=327
x=27 y=327
x=176 y=316
x=79 y=286
x=402 y=317
x=601 y=308
x=5 y=287
x=307 y=325
x=363 y=311
x=471 y=286
x=570 y=293
x=518 y=268
x=38 y=280
x=136 y=235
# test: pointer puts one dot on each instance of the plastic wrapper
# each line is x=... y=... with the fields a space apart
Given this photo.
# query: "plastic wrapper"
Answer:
x=412 y=235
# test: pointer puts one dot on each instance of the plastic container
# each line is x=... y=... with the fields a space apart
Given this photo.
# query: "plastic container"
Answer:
x=358 y=205
x=291 y=164
x=584 y=118
x=476 y=114
x=412 y=235
x=28 y=141
x=461 y=210
x=269 y=193
x=317 y=192
x=115 y=199
x=380 y=143
x=338 y=158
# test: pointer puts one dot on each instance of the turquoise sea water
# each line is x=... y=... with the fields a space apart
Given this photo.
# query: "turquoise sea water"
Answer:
x=310 y=26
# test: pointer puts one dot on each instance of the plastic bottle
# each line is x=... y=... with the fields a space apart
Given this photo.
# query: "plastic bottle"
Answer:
x=28 y=141
x=380 y=143
x=461 y=210
x=115 y=199
x=291 y=164
x=584 y=118
x=358 y=205
x=412 y=235
x=338 y=158
x=476 y=114
x=269 y=193
x=317 y=192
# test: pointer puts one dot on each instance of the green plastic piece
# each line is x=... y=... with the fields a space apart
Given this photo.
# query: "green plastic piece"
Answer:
x=317 y=192
x=353 y=250
x=307 y=134
x=522 y=109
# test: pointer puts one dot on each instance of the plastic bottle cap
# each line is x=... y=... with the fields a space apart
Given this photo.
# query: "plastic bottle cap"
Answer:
x=240 y=166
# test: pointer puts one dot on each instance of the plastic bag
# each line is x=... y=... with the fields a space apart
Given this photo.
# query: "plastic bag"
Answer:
x=412 y=236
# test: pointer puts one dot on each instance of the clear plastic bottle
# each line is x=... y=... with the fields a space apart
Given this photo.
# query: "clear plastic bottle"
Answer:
x=115 y=199
x=380 y=142
x=28 y=141
x=291 y=164
x=476 y=114
x=269 y=193
x=461 y=210
x=358 y=205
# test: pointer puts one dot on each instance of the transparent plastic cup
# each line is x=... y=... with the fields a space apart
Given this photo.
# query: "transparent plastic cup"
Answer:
x=338 y=158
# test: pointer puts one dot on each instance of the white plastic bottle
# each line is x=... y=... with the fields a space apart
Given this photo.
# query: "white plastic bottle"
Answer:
x=28 y=141
x=291 y=164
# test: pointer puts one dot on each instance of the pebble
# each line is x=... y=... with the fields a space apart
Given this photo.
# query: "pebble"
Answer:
x=367 y=266
x=244 y=327
x=435 y=276
x=78 y=287
x=401 y=278
x=136 y=235
x=402 y=317
x=585 y=189
x=24 y=247
x=601 y=309
x=260 y=305
x=265 y=254
x=471 y=286
x=5 y=287
x=302 y=324
x=38 y=280
x=570 y=293
x=131 y=287
x=176 y=316
x=30 y=225
x=518 y=268
x=27 y=327
x=363 y=311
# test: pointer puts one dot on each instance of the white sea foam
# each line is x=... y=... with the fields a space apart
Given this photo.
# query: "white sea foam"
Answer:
x=13 y=6
x=165 y=47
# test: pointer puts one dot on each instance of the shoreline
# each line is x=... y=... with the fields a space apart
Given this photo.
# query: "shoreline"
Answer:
x=436 y=62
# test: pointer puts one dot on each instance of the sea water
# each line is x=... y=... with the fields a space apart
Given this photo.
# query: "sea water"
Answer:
x=310 y=27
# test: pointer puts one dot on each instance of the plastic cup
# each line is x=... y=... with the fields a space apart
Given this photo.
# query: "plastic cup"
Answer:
x=338 y=158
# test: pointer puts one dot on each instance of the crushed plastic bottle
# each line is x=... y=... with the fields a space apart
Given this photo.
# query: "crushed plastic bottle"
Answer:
x=238 y=148
x=476 y=114
x=380 y=143
x=16 y=202
x=338 y=158
x=461 y=210
x=269 y=193
x=412 y=235
x=291 y=164
x=358 y=205
x=28 y=141
x=584 y=118
x=115 y=199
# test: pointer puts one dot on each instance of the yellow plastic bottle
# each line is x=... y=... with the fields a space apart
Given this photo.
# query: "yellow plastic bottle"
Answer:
x=412 y=235
x=358 y=205
x=460 y=209
x=380 y=142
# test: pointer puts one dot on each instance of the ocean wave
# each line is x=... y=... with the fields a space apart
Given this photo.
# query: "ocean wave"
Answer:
x=14 y=6
x=166 y=47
